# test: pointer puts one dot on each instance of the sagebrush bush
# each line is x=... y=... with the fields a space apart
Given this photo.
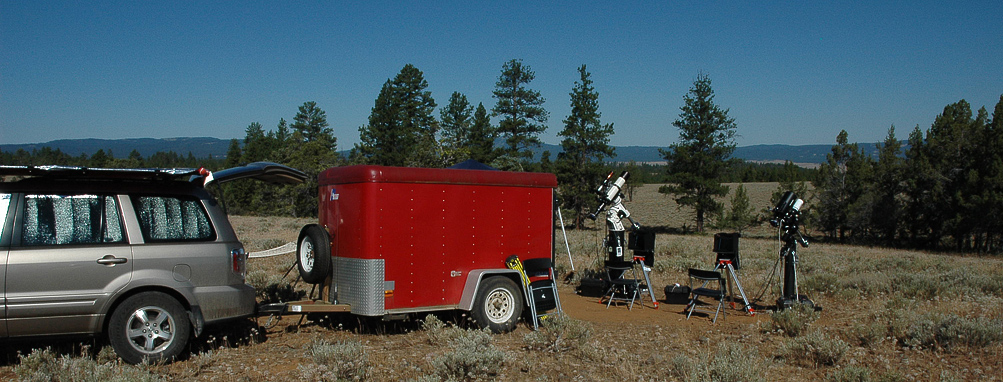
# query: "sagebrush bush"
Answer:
x=558 y=334
x=814 y=349
x=731 y=362
x=869 y=333
x=437 y=331
x=45 y=366
x=794 y=321
x=822 y=283
x=342 y=360
x=947 y=331
x=850 y=374
x=471 y=355
x=735 y=362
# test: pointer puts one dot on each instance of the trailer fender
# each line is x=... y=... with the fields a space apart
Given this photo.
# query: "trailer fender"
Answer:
x=473 y=282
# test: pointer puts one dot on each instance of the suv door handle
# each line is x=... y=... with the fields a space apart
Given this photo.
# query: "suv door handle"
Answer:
x=112 y=260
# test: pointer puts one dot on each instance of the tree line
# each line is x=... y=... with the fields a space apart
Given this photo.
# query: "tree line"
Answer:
x=943 y=191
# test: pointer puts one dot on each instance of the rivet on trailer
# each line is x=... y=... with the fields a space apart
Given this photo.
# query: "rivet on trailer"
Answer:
x=392 y=242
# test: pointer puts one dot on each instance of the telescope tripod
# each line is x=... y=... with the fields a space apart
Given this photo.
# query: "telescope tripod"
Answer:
x=726 y=265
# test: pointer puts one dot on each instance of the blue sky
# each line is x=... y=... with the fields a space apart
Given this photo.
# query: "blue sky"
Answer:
x=789 y=72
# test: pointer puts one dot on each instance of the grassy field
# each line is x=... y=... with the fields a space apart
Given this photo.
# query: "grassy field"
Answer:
x=888 y=315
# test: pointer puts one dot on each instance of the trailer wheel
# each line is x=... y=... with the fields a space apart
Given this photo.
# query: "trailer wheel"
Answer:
x=498 y=304
x=313 y=254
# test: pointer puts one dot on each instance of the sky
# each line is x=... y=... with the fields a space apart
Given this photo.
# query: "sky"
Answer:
x=791 y=73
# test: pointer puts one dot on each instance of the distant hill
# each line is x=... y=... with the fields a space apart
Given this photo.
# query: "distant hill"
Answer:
x=202 y=147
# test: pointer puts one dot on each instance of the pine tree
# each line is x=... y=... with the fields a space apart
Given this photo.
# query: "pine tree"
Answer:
x=456 y=122
x=311 y=124
x=521 y=109
x=697 y=162
x=585 y=145
x=887 y=185
x=482 y=136
x=742 y=214
x=951 y=145
x=836 y=189
x=921 y=188
x=402 y=129
x=232 y=154
x=992 y=167
x=311 y=149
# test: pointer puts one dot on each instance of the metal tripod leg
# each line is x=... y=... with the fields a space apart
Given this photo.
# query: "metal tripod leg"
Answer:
x=726 y=264
x=647 y=279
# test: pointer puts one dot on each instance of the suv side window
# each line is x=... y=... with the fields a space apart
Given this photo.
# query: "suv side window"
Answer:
x=71 y=219
x=169 y=218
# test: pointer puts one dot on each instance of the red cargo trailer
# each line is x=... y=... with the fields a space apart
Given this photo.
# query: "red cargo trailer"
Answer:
x=393 y=240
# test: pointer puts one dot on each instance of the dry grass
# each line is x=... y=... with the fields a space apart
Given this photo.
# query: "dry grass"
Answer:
x=888 y=315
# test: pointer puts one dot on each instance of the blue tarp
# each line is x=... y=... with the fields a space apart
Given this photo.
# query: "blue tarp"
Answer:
x=471 y=164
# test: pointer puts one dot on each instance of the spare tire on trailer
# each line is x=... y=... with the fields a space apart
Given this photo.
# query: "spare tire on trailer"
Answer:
x=313 y=254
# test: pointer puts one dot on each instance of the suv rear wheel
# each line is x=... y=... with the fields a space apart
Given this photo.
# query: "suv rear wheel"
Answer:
x=149 y=327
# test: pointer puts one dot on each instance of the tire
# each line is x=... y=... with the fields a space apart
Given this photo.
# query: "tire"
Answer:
x=497 y=305
x=313 y=254
x=149 y=327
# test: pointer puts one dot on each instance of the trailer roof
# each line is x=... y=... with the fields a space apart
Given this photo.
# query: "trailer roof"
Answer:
x=385 y=174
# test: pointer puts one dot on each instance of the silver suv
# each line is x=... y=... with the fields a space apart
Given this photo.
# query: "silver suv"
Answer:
x=145 y=257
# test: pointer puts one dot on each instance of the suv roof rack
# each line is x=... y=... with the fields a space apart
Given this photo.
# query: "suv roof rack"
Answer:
x=100 y=173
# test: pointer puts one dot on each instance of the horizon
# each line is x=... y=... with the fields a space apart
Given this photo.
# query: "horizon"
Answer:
x=788 y=73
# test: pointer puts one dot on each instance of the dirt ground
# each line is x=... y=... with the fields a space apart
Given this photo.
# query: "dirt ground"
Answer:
x=643 y=343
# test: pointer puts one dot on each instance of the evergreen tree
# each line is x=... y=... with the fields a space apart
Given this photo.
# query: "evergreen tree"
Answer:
x=456 y=122
x=521 y=110
x=258 y=146
x=482 y=136
x=887 y=185
x=834 y=188
x=742 y=214
x=921 y=186
x=282 y=133
x=991 y=198
x=233 y=154
x=401 y=130
x=862 y=203
x=311 y=149
x=585 y=145
x=952 y=147
x=697 y=162
x=99 y=159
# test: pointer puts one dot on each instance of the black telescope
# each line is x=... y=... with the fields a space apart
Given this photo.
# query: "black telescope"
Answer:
x=787 y=218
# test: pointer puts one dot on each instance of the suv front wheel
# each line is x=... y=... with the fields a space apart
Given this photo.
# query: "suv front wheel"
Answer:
x=149 y=327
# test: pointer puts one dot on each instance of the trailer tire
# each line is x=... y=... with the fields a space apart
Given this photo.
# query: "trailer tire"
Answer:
x=497 y=304
x=313 y=254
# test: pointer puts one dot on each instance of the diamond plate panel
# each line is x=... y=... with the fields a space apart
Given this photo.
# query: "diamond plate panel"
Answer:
x=360 y=283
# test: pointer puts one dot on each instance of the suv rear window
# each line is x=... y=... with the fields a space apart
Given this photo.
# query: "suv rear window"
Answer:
x=71 y=219
x=169 y=218
x=4 y=204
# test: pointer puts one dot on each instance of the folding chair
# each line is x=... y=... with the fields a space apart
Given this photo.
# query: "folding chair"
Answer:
x=623 y=283
x=706 y=277
x=542 y=289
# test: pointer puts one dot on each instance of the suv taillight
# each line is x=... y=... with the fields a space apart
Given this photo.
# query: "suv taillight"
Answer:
x=239 y=257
